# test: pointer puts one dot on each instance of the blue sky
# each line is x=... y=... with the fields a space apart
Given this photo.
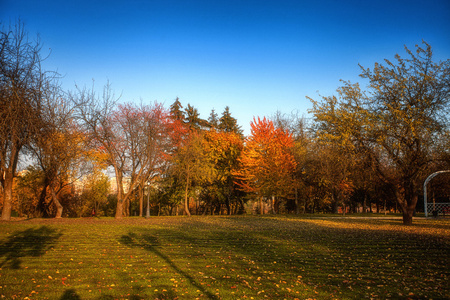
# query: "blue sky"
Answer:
x=256 y=57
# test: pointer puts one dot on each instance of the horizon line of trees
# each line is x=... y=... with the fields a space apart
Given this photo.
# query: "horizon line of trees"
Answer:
x=362 y=147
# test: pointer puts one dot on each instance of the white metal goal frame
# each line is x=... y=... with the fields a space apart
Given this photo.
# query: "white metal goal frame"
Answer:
x=442 y=208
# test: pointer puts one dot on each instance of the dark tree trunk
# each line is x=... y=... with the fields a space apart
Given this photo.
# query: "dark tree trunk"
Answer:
x=227 y=204
x=407 y=203
x=59 y=207
x=334 y=204
x=7 y=197
x=407 y=218
x=42 y=205
x=141 y=200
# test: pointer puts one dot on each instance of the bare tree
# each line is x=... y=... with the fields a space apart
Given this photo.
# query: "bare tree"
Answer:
x=22 y=83
x=130 y=138
x=58 y=149
x=145 y=143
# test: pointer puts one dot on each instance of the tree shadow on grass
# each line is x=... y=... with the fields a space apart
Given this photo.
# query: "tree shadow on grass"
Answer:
x=349 y=255
x=70 y=294
x=32 y=242
x=150 y=243
x=110 y=297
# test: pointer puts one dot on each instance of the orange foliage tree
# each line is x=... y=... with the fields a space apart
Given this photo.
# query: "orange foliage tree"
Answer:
x=267 y=164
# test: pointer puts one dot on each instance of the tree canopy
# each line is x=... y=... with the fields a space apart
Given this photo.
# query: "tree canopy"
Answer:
x=371 y=144
x=400 y=123
x=267 y=164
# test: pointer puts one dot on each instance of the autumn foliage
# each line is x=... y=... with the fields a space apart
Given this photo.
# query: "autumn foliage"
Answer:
x=267 y=164
x=363 y=148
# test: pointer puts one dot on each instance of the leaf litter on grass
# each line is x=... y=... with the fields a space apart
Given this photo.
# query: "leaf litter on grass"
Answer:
x=233 y=257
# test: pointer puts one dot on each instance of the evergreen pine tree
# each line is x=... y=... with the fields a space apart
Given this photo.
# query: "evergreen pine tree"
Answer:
x=192 y=117
x=176 y=110
x=229 y=124
x=213 y=119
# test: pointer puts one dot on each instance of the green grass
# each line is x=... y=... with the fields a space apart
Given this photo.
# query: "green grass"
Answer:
x=271 y=257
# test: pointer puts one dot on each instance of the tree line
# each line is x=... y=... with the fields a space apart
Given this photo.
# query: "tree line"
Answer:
x=361 y=147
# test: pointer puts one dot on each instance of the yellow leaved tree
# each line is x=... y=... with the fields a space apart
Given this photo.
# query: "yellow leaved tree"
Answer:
x=399 y=124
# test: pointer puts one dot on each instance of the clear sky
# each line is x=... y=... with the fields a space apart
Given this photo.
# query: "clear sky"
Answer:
x=256 y=57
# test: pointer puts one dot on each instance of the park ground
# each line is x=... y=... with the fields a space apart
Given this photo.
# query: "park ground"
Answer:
x=225 y=257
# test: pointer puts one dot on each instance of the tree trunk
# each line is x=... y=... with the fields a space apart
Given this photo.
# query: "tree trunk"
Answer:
x=119 y=206
x=159 y=208
x=205 y=209
x=334 y=203
x=307 y=197
x=229 y=193
x=304 y=204
x=408 y=206
x=365 y=203
x=274 y=208
x=261 y=208
x=242 y=207
x=7 y=197
x=297 y=208
x=235 y=208
x=186 y=200
x=407 y=217
x=42 y=206
x=141 y=200
x=228 y=206
x=59 y=207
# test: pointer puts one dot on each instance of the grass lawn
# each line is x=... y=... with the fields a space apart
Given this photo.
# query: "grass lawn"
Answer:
x=238 y=257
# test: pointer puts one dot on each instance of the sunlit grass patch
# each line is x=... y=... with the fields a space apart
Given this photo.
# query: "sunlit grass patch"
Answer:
x=271 y=257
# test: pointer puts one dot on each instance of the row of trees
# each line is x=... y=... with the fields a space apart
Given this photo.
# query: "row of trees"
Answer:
x=375 y=145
